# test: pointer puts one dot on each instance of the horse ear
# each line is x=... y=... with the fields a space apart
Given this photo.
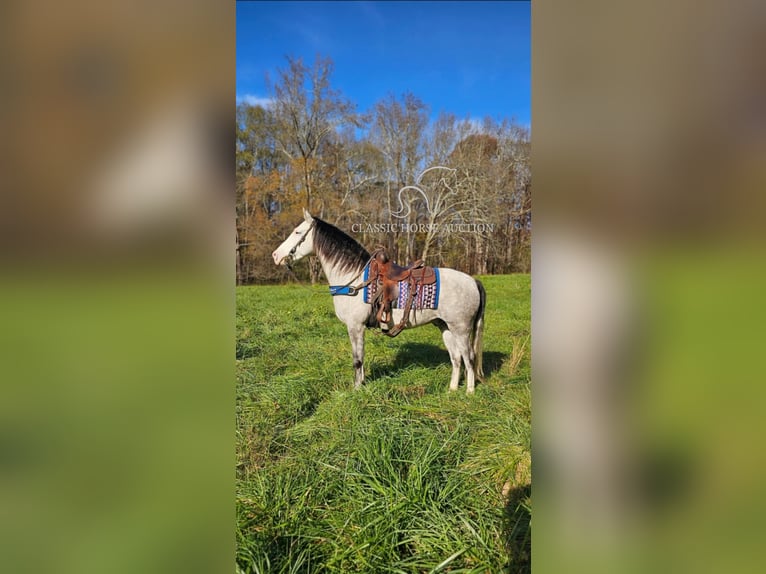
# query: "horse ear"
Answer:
x=307 y=216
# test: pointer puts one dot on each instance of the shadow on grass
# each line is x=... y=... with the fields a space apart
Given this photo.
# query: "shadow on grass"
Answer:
x=516 y=530
x=427 y=355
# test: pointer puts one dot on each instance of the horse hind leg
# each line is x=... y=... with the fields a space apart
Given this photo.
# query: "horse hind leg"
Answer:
x=463 y=344
x=455 y=357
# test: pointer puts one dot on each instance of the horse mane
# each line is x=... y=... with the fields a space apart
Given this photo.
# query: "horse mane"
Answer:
x=338 y=248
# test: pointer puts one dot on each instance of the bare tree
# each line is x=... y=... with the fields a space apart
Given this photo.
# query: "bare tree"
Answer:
x=257 y=162
x=398 y=130
x=310 y=149
x=307 y=111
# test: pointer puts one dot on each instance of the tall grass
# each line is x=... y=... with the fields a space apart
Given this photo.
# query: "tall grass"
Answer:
x=400 y=476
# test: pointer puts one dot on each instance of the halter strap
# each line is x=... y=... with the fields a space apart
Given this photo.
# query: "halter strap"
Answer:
x=291 y=253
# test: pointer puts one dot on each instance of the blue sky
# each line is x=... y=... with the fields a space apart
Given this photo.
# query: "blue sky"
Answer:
x=468 y=58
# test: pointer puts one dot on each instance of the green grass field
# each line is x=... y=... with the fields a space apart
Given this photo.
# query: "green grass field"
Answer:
x=401 y=476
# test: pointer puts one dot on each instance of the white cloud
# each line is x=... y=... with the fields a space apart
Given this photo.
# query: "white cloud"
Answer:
x=254 y=100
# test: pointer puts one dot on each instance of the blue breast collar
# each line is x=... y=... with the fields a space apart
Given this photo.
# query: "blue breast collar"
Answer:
x=342 y=290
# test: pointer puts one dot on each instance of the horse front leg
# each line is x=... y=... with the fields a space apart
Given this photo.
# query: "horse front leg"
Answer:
x=356 y=336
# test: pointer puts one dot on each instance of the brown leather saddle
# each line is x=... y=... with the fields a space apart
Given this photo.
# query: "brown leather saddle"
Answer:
x=388 y=276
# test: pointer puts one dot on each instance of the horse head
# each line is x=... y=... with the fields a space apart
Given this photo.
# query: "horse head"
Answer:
x=298 y=244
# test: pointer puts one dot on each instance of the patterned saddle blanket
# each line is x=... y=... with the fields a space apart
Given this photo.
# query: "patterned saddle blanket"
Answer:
x=426 y=296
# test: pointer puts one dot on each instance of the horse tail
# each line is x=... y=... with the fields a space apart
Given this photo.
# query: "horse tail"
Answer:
x=478 y=331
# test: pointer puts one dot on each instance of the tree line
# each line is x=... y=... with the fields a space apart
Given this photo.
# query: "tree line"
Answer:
x=453 y=191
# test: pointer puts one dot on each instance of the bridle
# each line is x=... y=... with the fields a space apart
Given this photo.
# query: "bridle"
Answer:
x=290 y=257
x=334 y=290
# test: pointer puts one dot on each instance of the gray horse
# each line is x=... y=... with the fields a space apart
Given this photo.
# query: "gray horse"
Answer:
x=460 y=316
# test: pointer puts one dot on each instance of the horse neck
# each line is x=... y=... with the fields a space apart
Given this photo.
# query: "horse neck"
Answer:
x=336 y=276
